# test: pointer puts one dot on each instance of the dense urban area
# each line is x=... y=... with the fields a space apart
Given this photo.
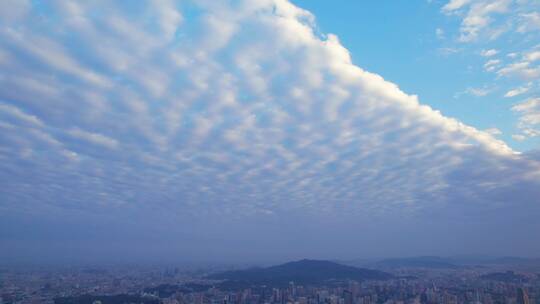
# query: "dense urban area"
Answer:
x=185 y=285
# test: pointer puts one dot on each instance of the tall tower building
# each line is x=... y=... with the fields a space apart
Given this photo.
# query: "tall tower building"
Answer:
x=522 y=296
x=348 y=297
x=292 y=289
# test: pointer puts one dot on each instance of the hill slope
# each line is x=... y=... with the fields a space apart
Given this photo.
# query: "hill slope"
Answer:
x=300 y=272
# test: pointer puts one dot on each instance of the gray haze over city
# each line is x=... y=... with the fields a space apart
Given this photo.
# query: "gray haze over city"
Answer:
x=237 y=132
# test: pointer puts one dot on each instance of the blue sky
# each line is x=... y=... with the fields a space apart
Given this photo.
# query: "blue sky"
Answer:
x=399 y=41
x=229 y=130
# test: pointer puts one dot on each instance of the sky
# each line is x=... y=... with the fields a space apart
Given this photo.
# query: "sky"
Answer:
x=425 y=47
x=268 y=130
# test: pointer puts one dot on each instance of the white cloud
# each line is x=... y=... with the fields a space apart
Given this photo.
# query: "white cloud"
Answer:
x=20 y=115
x=94 y=138
x=517 y=91
x=478 y=17
x=512 y=55
x=521 y=69
x=532 y=56
x=493 y=131
x=519 y=137
x=529 y=121
x=446 y=51
x=453 y=5
x=169 y=18
x=528 y=106
x=52 y=54
x=439 y=33
x=492 y=64
x=483 y=20
x=479 y=91
x=529 y=22
x=489 y=53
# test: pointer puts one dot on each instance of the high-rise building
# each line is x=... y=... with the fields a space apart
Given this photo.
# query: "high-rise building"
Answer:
x=354 y=287
x=347 y=297
x=276 y=298
x=522 y=296
x=292 y=289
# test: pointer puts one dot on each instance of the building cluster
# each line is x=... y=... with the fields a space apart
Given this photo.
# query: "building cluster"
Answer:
x=402 y=291
x=23 y=287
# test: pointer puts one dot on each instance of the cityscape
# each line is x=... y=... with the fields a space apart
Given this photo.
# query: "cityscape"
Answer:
x=487 y=283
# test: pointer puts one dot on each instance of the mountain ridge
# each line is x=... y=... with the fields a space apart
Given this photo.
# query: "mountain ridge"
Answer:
x=302 y=272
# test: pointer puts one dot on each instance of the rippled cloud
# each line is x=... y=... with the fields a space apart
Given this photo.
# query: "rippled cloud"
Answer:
x=199 y=117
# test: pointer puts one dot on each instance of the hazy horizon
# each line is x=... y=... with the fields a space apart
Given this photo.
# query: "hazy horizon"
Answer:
x=151 y=262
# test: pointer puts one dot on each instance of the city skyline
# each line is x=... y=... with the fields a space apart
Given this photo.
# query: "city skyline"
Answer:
x=298 y=282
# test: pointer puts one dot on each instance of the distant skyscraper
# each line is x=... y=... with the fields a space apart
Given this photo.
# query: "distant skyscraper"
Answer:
x=292 y=289
x=354 y=287
x=348 y=297
x=276 y=297
x=522 y=296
